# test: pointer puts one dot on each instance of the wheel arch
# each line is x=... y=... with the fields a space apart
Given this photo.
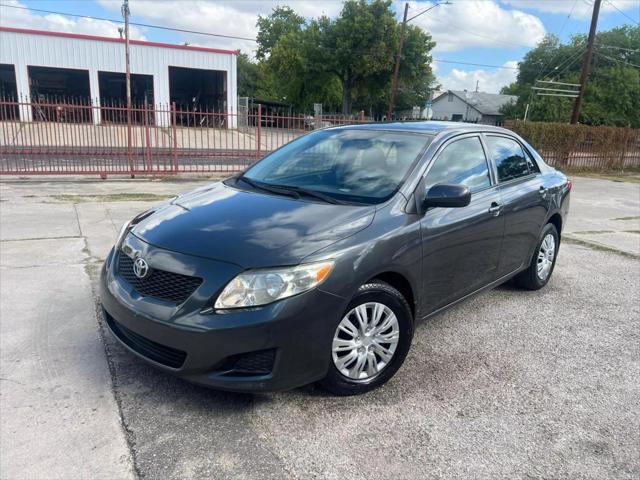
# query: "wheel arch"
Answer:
x=400 y=283
x=556 y=221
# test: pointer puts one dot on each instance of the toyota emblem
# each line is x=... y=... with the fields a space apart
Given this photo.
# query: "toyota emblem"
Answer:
x=140 y=267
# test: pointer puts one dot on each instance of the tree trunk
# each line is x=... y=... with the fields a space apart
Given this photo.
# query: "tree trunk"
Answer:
x=346 y=95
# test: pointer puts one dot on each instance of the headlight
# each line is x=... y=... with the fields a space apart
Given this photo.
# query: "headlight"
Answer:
x=259 y=287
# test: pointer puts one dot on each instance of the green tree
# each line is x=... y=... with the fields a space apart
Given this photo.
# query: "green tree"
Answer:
x=299 y=63
x=272 y=28
x=415 y=79
x=363 y=39
x=612 y=93
x=248 y=75
x=347 y=61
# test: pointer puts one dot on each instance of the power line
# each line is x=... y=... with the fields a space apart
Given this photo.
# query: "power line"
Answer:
x=566 y=63
x=570 y=57
x=617 y=60
x=566 y=67
x=632 y=19
x=550 y=60
x=146 y=25
x=452 y=25
x=566 y=20
x=475 y=64
x=618 y=48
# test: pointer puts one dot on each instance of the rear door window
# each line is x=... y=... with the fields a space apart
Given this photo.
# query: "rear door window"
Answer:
x=509 y=157
x=533 y=166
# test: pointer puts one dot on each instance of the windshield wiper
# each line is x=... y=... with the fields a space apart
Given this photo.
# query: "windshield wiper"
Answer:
x=312 y=193
x=268 y=187
x=290 y=190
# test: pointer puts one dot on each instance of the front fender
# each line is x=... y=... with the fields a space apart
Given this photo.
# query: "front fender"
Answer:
x=391 y=244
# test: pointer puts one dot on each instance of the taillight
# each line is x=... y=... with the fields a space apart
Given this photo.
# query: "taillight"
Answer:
x=569 y=185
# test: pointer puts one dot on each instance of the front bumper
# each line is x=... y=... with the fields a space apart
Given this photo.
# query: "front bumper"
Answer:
x=292 y=337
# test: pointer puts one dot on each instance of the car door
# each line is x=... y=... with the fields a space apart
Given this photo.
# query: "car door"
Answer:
x=460 y=246
x=525 y=200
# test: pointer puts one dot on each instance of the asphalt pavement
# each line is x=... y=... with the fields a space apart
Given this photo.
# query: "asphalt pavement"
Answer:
x=510 y=384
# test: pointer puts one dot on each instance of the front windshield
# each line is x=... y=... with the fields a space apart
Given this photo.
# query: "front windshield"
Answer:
x=352 y=165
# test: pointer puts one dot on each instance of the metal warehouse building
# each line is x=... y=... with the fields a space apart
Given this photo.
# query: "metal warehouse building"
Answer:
x=55 y=67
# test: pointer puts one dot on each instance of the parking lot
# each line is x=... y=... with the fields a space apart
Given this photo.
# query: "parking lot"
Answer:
x=510 y=384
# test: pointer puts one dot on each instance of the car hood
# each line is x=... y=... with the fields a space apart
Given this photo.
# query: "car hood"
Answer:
x=249 y=229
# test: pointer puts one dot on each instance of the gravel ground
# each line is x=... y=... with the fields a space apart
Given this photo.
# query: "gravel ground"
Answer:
x=510 y=384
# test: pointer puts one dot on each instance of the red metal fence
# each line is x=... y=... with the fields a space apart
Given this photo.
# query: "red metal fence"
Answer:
x=90 y=138
x=53 y=136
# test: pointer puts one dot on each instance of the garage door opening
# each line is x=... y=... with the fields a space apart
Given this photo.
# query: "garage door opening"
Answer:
x=198 y=94
x=8 y=92
x=60 y=94
x=113 y=93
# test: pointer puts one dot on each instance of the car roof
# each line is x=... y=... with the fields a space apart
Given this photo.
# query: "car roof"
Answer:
x=432 y=127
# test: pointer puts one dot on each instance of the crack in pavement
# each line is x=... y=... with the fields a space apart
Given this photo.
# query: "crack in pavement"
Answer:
x=597 y=246
x=127 y=432
x=62 y=237
x=89 y=262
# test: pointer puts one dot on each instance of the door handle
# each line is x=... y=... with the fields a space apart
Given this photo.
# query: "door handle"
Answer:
x=495 y=209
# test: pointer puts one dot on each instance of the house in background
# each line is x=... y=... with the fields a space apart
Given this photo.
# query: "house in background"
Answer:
x=475 y=107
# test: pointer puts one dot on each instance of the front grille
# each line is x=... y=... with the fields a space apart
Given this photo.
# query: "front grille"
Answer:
x=254 y=363
x=161 y=284
x=171 y=357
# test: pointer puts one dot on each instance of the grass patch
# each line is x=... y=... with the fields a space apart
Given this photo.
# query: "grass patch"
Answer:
x=630 y=177
x=598 y=247
x=93 y=270
x=111 y=197
x=599 y=232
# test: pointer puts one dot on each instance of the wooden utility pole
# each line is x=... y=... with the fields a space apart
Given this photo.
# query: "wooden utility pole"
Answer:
x=125 y=14
x=394 y=80
x=586 y=62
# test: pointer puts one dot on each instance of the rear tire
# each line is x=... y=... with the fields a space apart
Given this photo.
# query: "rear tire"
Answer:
x=543 y=260
x=365 y=354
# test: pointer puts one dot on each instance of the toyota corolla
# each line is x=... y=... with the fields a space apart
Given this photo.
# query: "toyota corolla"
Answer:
x=317 y=262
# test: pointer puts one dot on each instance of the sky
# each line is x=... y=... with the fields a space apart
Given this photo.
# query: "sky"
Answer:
x=490 y=32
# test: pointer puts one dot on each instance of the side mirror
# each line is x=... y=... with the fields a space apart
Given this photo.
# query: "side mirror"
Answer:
x=447 y=195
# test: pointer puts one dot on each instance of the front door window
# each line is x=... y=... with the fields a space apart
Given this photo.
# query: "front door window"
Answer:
x=462 y=162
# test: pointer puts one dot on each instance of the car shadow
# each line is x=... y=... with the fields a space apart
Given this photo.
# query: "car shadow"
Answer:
x=135 y=375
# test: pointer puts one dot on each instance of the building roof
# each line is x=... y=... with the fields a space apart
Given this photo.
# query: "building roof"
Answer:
x=485 y=103
x=116 y=40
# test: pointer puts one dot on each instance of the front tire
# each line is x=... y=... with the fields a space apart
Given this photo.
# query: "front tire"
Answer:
x=370 y=341
x=544 y=260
